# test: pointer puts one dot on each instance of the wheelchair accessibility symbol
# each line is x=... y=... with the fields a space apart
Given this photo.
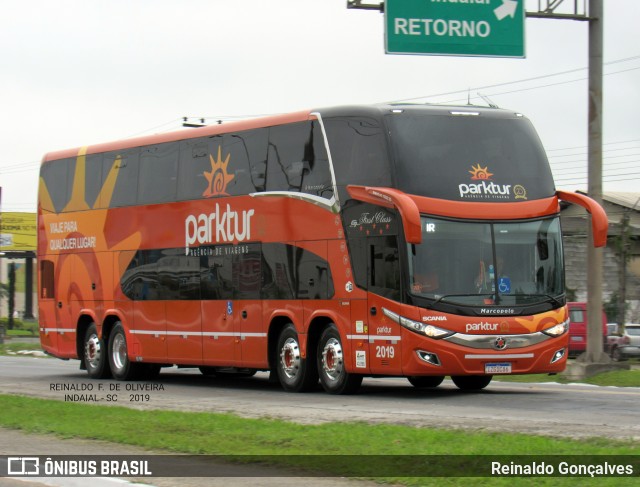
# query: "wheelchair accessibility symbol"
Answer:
x=504 y=285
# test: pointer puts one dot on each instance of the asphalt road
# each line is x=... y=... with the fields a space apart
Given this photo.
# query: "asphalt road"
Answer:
x=575 y=411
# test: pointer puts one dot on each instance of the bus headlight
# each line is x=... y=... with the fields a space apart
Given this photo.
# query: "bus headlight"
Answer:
x=427 y=330
x=557 y=330
x=417 y=327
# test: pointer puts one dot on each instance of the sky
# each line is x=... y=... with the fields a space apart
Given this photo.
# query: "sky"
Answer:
x=79 y=72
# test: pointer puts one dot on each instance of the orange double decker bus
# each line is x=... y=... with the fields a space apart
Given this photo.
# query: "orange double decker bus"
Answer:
x=325 y=245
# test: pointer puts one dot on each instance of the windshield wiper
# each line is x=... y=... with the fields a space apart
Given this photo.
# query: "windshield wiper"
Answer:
x=476 y=295
x=550 y=299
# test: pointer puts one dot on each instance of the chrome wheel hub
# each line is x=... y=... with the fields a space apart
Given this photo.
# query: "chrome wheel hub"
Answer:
x=290 y=358
x=332 y=361
x=93 y=351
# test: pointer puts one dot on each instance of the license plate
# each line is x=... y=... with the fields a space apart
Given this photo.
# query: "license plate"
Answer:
x=577 y=339
x=501 y=368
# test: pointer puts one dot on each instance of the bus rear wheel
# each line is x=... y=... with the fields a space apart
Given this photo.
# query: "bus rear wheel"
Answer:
x=334 y=377
x=425 y=381
x=295 y=373
x=121 y=367
x=471 y=382
x=95 y=354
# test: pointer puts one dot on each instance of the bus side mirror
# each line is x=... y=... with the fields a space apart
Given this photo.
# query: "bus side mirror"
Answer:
x=599 y=220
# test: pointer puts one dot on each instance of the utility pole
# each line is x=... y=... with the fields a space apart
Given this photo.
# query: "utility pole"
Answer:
x=594 y=351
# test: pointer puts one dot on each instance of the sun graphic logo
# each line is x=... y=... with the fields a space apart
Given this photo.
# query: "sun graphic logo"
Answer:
x=482 y=173
x=218 y=178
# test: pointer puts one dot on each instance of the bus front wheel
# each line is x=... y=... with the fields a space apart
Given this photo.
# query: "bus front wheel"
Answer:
x=471 y=382
x=95 y=354
x=295 y=373
x=333 y=375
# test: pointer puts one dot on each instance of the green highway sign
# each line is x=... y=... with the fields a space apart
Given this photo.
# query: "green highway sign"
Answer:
x=455 y=27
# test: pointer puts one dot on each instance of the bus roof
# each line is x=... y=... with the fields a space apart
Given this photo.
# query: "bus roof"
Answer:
x=299 y=116
x=185 y=134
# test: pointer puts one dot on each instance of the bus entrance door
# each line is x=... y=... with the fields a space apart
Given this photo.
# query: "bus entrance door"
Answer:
x=384 y=337
x=384 y=293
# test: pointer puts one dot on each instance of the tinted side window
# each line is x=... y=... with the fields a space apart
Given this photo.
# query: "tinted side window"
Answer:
x=162 y=274
x=290 y=154
x=247 y=273
x=358 y=254
x=93 y=180
x=360 y=220
x=436 y=154
x=58 y=178
x=158 y=173
x=317 y=179
x=194 y=162
x=140 y=280
x=359 y=152
x=178 y=275
x=314 y=276
x=216 y=277
x=121 y=170
x=384 y=266
x=247 y=152
x=278 y=271
x=228 y=272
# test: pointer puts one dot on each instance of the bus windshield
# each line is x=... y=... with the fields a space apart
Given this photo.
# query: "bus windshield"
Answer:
x=483 y=263
x=478 y=157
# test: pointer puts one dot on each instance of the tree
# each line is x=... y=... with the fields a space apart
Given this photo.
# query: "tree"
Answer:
x=12 y=293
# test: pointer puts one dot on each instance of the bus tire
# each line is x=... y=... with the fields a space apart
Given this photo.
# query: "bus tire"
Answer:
x=95 y=355
x=334 y=377
x=471 y=382
x=295 y=373
x=208 y=371
x=425 y=381
x=121 y=367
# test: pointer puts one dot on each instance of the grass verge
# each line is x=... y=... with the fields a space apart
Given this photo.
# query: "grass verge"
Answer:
x=618 y=378
x=12 y=348
x=226 y=434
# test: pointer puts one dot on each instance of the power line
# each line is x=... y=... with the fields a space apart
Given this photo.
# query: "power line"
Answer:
x=16 y=170
x=524 y=80
x=535 y=87
x=583 y=158
x=584 y=146
x=584 y=167
x=175 y=120
x=584 y=153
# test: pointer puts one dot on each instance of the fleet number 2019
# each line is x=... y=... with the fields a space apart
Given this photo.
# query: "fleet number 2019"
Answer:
x=385 y=351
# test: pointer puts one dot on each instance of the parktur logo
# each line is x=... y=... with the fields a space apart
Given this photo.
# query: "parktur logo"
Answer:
x=485 y=188
x=218 y=178
x=217 y=227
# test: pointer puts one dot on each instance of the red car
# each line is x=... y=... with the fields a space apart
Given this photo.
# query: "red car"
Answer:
x=578 y=328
